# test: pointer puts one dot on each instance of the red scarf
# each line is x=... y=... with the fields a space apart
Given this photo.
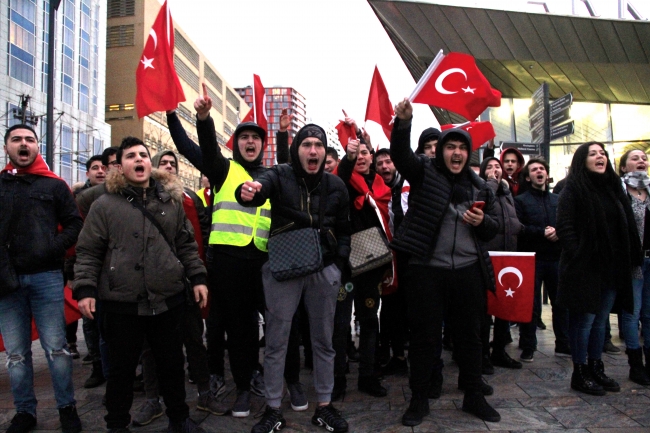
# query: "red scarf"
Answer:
x=38 y=168
x=378 y=198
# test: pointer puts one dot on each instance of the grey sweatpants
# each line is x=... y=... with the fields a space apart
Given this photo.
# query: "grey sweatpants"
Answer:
x=320 y=291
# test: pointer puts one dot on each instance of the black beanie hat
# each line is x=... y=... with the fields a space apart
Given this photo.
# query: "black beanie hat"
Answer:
x=309 y=130
x=426 y=136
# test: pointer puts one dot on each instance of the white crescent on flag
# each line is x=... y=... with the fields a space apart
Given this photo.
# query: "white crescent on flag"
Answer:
x=511 y=270
x=153 y=34
x=440 y=88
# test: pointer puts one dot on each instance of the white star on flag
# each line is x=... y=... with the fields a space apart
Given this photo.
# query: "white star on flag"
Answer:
x=147 y=62
x=468 y=90
x=509 y=292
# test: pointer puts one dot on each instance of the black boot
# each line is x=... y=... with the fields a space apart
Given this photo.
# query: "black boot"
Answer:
x=637 y=371
x=418 y=409
x=371 y=385
x=646 y=353
x=597 y=369
x=96 y=376
x=582 y=381
x=475 y=403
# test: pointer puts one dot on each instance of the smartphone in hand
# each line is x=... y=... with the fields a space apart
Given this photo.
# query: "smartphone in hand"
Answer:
x=477 y=205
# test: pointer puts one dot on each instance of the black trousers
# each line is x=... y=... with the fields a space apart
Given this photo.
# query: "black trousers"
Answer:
x=342 y=329
x=366 y=306
x=431 y=292
x=125 y=336
x=236 y=286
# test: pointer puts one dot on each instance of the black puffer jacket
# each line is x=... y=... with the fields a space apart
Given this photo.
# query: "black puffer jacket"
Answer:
x=31 y=209
x=429 y=199
x=294 y=206
x=536 y=210
x=509 y=225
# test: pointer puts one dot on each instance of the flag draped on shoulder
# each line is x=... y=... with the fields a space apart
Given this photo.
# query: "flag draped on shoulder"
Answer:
x=257 y=113
x=455 y=83
x=515 y=286
x=481 y=132
x=158 y=87
x=379 y=108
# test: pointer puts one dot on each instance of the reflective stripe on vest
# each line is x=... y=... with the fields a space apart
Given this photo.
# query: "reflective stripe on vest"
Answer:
x=233 y=224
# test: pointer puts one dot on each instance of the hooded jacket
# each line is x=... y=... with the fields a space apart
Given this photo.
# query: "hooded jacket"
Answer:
x=432 y=187
x=295 y=202
x=514 y=180
x=509 y=225
x=122 y=258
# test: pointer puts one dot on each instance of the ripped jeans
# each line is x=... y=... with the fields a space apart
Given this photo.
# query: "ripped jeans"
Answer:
x=40 y=296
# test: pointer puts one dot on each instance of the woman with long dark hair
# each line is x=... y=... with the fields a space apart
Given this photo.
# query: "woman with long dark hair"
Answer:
x=634 y=172
x=600 y=247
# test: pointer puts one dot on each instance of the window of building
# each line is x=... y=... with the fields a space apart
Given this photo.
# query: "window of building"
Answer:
x=120 y=36
x=83 y=156
x=231 y=98
x=186 y=73
x=121 y=8
x=186 y=49
x=213 y=78
x=626 y=124
x=217 y=102
x=84 y=57
x=231 y=116
x=22 y=40
x=67 y=72
x=98 y=146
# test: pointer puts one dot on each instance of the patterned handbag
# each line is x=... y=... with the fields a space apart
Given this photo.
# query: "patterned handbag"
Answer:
x=369 y=250
x=295 y=254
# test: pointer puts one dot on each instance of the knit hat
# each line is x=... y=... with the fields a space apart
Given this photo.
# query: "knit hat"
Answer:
x=236 y=154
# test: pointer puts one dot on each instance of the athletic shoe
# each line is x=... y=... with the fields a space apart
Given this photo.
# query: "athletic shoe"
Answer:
x=242 y=406
x=22 y=422
x=147 y=412
x=298 y=397
x=527 y=355
x=271 y=421
x=330 y=419
x=217 y=385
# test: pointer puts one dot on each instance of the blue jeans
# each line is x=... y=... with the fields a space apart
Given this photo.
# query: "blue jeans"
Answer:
x=39 y=296
x=630 y=321
x=587 y=331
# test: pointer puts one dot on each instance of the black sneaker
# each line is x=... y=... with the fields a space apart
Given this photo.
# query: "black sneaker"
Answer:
x=475 y=403
x=562 y=349
x=88 y=359
x=500 y=358
x=541 y=325
x=609 y=347
x=527 y=355
x=329 y=418
x=22 y=422
x=271 y=421
x=371 y=385
x=70 y=422
x=418 y=409
x=187 y=426
x=242 y=406
x=96 y=376
x=72 y=348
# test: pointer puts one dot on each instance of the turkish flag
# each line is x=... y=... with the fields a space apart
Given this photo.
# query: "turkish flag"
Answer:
x=480 y=132
x=455 y=83
x=379 y=108
x=158 y=87
x=515 y=281
x=345 y=133
x=258 y=113
x=259 y=103
x=70 y=309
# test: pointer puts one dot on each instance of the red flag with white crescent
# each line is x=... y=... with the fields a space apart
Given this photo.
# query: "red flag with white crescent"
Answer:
x=481 y=132
x=455 y=83
x=157 y=84
x=379 y=108
x=515 y=286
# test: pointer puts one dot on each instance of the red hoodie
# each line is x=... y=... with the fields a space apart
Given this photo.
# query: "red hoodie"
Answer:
x=513 y=181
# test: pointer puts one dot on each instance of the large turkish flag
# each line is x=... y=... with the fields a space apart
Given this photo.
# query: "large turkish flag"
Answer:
x=158 y=87
x=456 y=84
x=480 y=132
x=515 y=280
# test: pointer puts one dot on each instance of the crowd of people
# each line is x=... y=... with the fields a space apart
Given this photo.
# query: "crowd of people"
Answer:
x=153 y=265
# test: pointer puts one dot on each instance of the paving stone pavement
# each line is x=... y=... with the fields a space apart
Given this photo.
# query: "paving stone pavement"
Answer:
x=536 y=398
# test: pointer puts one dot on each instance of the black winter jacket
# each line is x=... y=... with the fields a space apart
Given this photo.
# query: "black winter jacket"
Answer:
x=509 y=225
x=429 y=199
x=366 y=217
x=31 y=209
x=536 y=210
x=293 y=207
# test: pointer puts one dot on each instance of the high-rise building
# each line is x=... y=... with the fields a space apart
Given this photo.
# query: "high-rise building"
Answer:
x=79 y=81
x=129 y=22
x=277 y=99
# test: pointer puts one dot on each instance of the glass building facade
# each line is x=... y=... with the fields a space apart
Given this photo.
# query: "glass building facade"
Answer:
x=79 y=65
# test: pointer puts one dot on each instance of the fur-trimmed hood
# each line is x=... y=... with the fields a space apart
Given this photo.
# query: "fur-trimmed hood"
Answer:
x=116 y=183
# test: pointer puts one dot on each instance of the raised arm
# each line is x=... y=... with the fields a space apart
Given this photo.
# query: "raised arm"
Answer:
x=215 y=165
x=184 y=144
x=406 y=162
x=282 y=138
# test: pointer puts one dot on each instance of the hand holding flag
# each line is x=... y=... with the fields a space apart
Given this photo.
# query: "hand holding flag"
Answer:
x=203 y=104
x=347 y=130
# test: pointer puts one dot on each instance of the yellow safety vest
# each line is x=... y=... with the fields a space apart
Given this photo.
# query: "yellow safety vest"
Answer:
x=201 y=194
x=234 y=224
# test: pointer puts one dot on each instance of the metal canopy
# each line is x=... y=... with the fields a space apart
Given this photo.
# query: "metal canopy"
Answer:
x=598 y=60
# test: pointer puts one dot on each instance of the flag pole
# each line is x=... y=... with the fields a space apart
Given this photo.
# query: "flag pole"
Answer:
x=427 y=74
